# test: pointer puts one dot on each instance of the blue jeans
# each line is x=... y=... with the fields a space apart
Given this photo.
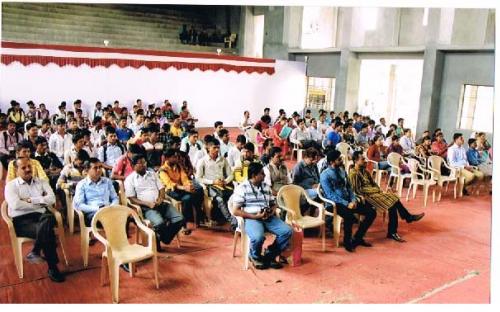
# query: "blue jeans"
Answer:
x=383 y=165
x=255 y=230
x=166 y=221
x=312 y=193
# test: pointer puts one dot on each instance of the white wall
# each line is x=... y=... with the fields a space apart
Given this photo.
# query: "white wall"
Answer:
x=211 y=95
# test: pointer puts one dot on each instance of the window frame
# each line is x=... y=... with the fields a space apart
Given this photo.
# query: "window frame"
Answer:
x=462 y=102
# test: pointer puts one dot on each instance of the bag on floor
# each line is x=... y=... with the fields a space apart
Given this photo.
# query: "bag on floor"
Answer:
x=293 y=253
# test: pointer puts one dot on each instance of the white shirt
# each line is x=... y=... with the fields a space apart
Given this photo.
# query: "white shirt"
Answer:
x=195 y=150
x=407 y=144
x=18 y=191
x=298 y=135
x=59 y=145
x=135 y=127
x=145 y=188
x=457 y=156
x=233 y=156
x=384 y=129
x=224 y=148
x=316 y=134
x=208 y=170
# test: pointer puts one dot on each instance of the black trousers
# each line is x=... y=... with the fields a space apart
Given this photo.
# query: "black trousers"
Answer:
x=189 y=200
x=349 y=219
x=40 y=227
x=220 y=199
x=393 y=216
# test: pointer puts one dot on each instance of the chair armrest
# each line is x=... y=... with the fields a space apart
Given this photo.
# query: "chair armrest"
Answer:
x=56 y=214
x=288 y=211
x=99 y=237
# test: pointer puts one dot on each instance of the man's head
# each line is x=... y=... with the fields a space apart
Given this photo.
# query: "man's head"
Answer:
x=426 y=141
x=123 y=122
x=116 y=103
x=139 y=163
x=41 y=145
x=246 y=114
x=407 y=132
x=80 y=159
x=310 y=156
x=266 y=111
x=401 y=121
x=333 y=158
x=23 y=168
x=218 y=125
x=32 y=129
x=458 y=138
x=395 y=140
x=78 y=141
x=301 y=123
x=73 y=124
x=338 y=126
x=439 y=137
x=382 y=121
x=268 y=144
x=308 y=113
x=193 y=136
x=364 y=128
x=472 y=143
x=314 y=123
x=425 y=133
x=223 y=135
x=139 y=118
x=171 y=156
x=145 y=134
x=359 y=159
x=378 y=140
x=111 y=135
x=61 y=126
x=248 y=151
x=275 y=156
x=256 y=173
x=98 y=105
x=94 y=169
x=23 y=149
x=77 y=104
x=175 y=142
x=213 y=147
x=11 y=127
x=241 y=140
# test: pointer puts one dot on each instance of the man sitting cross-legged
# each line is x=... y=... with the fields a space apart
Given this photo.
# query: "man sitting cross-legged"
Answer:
x=363 y=184
x=27 y=198
x=254 y=202
x=144 y=188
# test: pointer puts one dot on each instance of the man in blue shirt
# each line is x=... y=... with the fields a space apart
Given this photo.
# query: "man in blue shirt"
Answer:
x=94 y=192
x=122 y=132
x=337 y=188
x=334 y=137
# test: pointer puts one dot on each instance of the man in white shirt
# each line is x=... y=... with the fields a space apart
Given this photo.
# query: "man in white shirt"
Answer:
x=28 y=199
x=457 y=158
x=246 y=123
x=144 y=188
x=301 y=135
x=407 y=142
x=316 y=134
x=214 y=171
x=60 y=142
x=8 y=141
x=192 y=146
x=225 y=145
x=383 y=126
x=110 y=152
x=138 y=123
x=234 y=154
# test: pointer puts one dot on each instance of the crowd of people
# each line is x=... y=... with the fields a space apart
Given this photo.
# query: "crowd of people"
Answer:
x=201 y=37
x=157 y=155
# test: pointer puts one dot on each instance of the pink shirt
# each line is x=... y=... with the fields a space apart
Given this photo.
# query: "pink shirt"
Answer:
x=123 y=166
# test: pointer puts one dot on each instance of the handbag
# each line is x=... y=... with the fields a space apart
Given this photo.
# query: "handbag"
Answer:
x=293 y=253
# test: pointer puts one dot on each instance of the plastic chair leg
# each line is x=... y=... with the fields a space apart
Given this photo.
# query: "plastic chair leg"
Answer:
x=336 y=229
x=323 y=243
x=132 y=267
x=245 y=242
x=104 y=270
x=155 y=270
x=71 y=218
x=18 y=257
x=84 y=246
x=235 y=242
x=114 y=279
x=62 y=241
x=178 y=239
x=408 y=193
x=426 y=193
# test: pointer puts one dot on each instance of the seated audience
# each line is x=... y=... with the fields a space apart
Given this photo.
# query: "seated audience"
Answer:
x=248 y=156
x=254 y=202
x=23 y=150
x=60 y=142
x=123 y=166
x=123 y=133
x=234 y=153
x=276 y=172
x=305 y=173
x=94 y=191
x=8 y=141
x=266 y=148
x=424 y=148
x=457 y=158
x=111 y=151
x=180 y=187
x=374 y=153
x=301 y=136
x=28 y=198
x=225 y=145
x=334 y=137
x=439 y=146
x=474 y=158
x=362 y=184
x=214 y=172
x=144 y=188
x=337 y=188
x=407 y=143
x=153 y=148
x=78 y=145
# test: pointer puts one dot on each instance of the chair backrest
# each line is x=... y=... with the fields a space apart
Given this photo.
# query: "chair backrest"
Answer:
x=251 y=135
x=113 y=220
x=394 y=159
x=413 y=166
x=343 y=148
x=289 y=197
x=5 y=214
x=435 y=162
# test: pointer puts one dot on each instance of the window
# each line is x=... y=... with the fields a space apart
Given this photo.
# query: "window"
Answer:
x=320 y=92
x=476 y=108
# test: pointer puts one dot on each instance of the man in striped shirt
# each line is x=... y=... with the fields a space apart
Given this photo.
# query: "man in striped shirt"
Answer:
x=253 y=201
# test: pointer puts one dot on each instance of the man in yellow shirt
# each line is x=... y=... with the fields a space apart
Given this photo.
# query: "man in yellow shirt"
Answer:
x=175 y=128
x=23 y=150
x=179 y=187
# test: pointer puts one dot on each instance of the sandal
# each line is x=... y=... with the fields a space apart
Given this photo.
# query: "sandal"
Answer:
x=186 y=231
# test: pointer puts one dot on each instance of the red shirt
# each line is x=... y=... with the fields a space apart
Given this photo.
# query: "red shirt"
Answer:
x=123 y=166
x=440 y=148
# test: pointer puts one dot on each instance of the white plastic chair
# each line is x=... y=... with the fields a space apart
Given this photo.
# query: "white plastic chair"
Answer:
x=420 y=179
x=378 y=172
x=118 y=250
x=288 y=199
x=296 y=149
x=434 y=163
x=17 y=242
x=345 y=150
x=240 y=233
x=337 y=219
x=394 y=160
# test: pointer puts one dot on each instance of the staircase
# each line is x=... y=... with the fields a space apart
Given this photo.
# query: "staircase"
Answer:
x=153 y=27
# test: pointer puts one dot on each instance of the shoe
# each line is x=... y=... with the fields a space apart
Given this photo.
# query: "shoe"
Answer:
x=283 y=260
x=55 y=275
x=258 y=264
x=361 y=242
x=414 y=218
x=125 y=267
x=34 y=258
x=465 y=193
x=349 y=246
x=396 y=237
x=273 y=264
x=186 y=232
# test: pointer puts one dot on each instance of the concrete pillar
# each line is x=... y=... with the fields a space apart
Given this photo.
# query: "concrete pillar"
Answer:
x=347 y=82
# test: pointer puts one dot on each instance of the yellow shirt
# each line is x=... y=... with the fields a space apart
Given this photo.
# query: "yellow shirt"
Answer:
x=176 y=131
x=172 y=176
x=36 y=168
